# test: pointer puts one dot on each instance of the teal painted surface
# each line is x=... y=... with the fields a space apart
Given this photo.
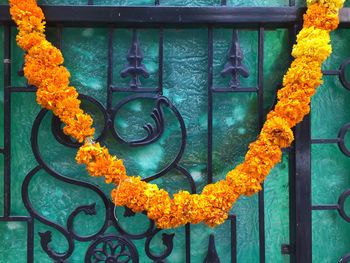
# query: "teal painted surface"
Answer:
x=12 y=239
x=185 y=84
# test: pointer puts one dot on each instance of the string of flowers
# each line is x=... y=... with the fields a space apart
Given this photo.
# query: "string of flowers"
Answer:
x=43 y=68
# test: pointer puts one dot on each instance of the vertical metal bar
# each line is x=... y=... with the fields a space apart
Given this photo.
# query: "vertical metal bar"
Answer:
x=300 y=194
x=188 y=243
x=260 y=124
x=291 y=2
x=210 y=105
x=223 y=2
x=157 y=2
x=300 y=188
x=110 y=69
x=233 y=239
x=7 y=120
x=30 y=240
x=59 y=31
x=161 y=61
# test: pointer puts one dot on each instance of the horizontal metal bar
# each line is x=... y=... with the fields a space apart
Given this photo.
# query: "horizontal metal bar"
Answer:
x=331 y=72
x=324 y=141
x=16 y=219
x=161 y=15
x=325 y=207
x=138 y=90
x=125 y=15
x=221 y=90
x=22 y=89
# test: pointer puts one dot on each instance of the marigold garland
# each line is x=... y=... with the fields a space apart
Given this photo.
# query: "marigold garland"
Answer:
x=43 y=68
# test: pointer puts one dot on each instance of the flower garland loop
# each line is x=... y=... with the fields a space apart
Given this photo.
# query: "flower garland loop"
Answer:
x=43 y=68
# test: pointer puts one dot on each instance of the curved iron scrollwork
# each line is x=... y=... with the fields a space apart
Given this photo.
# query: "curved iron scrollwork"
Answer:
x=342 y=74
x=345 y=259
x=154 y=132
x=167 y=240
x=341 y=139
x=104 y=248
x=341 y=205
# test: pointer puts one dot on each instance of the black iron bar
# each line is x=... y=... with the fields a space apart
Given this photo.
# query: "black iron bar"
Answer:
x=239 y=89
x=260 y=91
x=325 y=207
x=330 y=72
x=233 y=221
x=22 y=89
x=15 y=219
x=210 y=105
x=59 y=32
x=325 y=141
x=188 y=243
x=110 y=69
x=155 y=15
x=30 y=240
x=139 y=90
x=161 y=61
x=7 y=121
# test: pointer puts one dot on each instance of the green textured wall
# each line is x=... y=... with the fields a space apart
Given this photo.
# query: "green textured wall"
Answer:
x=185 y=84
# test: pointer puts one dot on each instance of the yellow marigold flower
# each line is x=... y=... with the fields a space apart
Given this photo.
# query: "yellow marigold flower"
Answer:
x=313 y=42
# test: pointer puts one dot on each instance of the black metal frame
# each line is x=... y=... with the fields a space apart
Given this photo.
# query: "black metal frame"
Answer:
x=162 y=17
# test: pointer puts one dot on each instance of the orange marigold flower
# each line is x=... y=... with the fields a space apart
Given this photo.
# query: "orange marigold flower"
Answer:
x=303 y=71
x=277 y=131
x=79 y=127
x=319 y=16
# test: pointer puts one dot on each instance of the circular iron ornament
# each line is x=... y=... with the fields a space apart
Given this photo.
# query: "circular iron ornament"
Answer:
x=345 y=259
x=341 y=139
x=56 y=125
x=342 y=76
x=341 y=204
x=112 y=249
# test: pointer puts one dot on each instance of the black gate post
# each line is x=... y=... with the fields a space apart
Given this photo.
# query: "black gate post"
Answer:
x=300 y=204
x=300 y=195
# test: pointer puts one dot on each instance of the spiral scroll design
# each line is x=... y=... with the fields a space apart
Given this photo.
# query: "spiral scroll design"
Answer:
x=104 y=247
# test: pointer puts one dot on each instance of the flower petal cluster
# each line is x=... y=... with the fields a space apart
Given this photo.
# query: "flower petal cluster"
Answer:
x=43 y=68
